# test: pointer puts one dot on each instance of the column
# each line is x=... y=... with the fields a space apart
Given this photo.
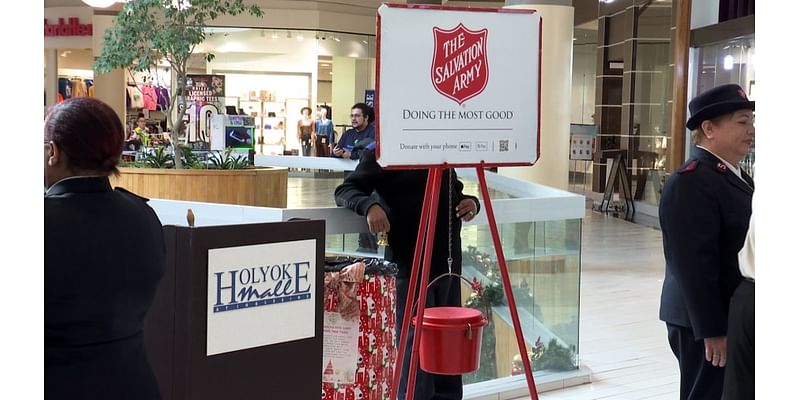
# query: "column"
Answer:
x=110 y=87
x=682 y=12
x=51 y=76
x=343 y=89
x=552 y=168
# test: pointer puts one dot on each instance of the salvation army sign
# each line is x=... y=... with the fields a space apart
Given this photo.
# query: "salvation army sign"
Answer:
x=260 y=295
x=457 y=86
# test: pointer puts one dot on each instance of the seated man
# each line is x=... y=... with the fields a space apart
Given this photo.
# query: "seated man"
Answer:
x=362 y=129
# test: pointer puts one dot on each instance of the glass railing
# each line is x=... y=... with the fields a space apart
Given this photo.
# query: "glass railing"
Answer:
x=540 y=233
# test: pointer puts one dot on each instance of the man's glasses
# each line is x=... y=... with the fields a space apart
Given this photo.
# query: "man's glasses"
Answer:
x=356 y=116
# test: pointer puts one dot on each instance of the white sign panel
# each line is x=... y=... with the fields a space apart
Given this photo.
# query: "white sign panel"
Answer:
x=260 y=295
x=457 y=86
x=581 y=147
x=339 y=349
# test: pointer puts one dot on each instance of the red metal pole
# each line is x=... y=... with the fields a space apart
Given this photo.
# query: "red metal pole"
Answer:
x=423 y=286
x=412 y=286
x=512 y=305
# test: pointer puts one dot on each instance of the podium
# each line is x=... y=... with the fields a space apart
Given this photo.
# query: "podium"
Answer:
x=239 y=312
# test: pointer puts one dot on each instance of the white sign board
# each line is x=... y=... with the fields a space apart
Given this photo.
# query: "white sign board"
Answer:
x=260 y=295
x=457 y=86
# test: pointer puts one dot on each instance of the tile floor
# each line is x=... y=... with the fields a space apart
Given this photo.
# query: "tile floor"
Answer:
x=621 y=339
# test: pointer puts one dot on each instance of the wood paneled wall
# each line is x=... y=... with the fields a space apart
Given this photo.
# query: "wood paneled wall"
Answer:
x=264 y=187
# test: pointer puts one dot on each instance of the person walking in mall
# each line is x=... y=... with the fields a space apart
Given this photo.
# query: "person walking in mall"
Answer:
x=740 y=374
x=396 y=211
x=362 y=129
x=104 y=255
x=704 y=212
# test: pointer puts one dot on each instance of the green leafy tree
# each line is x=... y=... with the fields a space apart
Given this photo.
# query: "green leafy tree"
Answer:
x=146 y=32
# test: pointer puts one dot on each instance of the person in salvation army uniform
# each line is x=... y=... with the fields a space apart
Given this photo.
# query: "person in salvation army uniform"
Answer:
x=704 y=213
x=96 y=293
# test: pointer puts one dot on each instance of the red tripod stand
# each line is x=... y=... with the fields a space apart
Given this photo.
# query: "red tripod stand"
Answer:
x=427 y=228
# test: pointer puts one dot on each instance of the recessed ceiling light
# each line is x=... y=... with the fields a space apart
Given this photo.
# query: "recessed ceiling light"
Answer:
x=337 y=39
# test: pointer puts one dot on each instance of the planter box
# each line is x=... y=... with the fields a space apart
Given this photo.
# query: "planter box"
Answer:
x=263 y=187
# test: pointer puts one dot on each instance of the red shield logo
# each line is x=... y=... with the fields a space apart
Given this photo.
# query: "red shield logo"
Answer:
x=459 y=69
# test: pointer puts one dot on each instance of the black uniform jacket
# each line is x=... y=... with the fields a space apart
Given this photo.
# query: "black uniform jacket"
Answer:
x=704 y=214
x=401 y=193
x=104 y=255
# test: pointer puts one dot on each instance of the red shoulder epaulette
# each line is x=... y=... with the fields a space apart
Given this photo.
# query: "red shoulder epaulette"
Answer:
x=689 y=167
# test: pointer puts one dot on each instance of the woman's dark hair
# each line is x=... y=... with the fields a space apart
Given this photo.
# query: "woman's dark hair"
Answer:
x=306 y=108
x=89 y=132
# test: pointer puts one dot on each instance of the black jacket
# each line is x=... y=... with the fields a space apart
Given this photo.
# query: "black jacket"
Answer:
x=401 y=193
x=704 y=213
x=104 y=255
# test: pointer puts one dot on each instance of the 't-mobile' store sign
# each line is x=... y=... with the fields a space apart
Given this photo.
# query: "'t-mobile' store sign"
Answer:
x=260 y=295
x=457 y=86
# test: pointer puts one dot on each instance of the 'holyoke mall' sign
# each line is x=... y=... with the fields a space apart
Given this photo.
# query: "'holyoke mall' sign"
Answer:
x=72 y=28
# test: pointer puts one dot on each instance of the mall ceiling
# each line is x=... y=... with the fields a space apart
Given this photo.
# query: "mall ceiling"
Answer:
x=585 y=10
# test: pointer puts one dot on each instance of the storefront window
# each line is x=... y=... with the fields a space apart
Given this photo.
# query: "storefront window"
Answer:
x=731 y=61
x=272 y=74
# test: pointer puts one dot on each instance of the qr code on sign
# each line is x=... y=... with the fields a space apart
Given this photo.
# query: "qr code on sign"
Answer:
x=504 y=145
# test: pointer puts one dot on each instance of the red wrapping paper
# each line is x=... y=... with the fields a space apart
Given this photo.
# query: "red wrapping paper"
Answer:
x=377 y=297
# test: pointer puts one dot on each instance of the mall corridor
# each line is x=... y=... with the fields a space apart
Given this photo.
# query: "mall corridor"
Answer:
x=621 y=339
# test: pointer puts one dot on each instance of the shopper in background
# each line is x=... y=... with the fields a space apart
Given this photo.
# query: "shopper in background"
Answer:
x=96 y=294
x=740 y=374
x=704 y=211
x=362 y=129
x=396 y=211
x=140 y=132
x=305 y=131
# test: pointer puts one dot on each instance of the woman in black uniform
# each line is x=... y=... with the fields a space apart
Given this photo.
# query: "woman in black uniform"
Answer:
x=98 y=287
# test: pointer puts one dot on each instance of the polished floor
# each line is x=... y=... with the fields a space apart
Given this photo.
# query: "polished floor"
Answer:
x=621 y=339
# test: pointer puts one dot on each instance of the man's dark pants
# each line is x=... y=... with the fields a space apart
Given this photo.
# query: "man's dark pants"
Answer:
x=740 y=373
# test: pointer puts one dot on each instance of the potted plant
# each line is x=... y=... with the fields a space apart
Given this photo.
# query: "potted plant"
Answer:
x=146 y=32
